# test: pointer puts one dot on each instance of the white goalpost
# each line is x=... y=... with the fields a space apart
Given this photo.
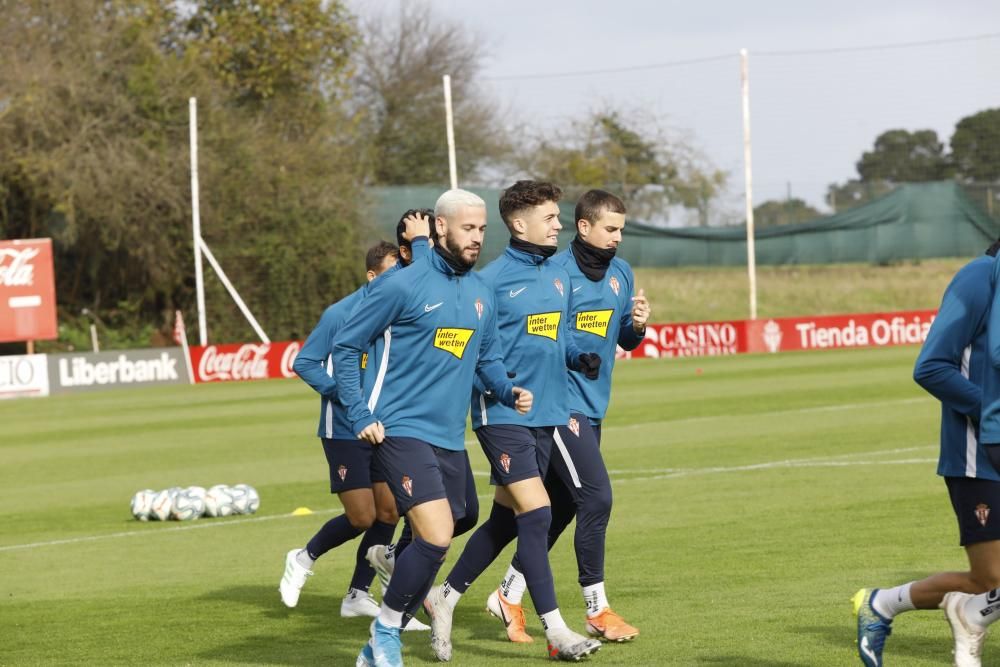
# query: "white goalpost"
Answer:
x=200 y=247
x=748 y=180
x=450 y=130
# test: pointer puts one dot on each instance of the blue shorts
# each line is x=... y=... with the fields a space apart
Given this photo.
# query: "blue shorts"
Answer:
x=418 y=472
x=350 y=464
x=577 y=461
x=515 y=452
x=977 y=507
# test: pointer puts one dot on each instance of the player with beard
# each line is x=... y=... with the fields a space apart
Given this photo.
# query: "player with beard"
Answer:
x=439 y=320
x=604 y=314
x=532 y=296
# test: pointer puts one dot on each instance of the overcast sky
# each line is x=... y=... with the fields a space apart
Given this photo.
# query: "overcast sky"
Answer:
x=812 y=114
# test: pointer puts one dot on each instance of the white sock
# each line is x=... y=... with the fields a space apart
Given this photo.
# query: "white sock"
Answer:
x=450 y=595
x=552 y=621
x=390 y=618
x=355 y=593
x=595 y=598
x=892 y=601
x=303 y=559
x=984 y=609
x=513 y=586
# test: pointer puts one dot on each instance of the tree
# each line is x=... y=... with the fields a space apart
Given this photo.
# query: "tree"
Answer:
x=403 y=56
x=900 y=156
x=975 y=146
x=630 y=157
x=786 y=212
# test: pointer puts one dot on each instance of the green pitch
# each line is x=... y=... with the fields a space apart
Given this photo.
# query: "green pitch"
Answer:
x=753 y=496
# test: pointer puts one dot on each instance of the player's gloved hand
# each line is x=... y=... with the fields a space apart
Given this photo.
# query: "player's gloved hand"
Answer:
x=590 y=365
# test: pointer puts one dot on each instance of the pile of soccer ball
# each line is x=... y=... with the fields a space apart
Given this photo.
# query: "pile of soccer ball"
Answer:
x=194 y=502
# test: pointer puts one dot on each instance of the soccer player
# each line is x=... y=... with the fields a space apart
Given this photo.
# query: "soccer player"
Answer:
x=603 y=315
x=532 y=295
x=368 y=504
x=440 y=324
x=954 y=367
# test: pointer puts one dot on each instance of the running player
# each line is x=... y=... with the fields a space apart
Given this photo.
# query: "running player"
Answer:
x=954 y=366
x=439 y=321
x=532 y=295
x=603 y=314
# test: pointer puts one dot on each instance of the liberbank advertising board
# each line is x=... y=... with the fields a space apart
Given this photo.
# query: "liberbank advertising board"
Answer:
x=109 y=370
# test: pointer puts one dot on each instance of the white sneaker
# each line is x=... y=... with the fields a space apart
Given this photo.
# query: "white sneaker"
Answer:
x=564 y=644
x=441 y=617
x=293 y=579
x=359 y=603
x=416 y=626
x=969 y=638
x=383 y=566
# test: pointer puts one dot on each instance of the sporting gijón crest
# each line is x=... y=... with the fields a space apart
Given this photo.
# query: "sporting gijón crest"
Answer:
x=408 y=485
x=982 y=513
x=574 y=426
x=479 y=308
x=505 y=462
x=342 y=472
x=613 y=284
x=559 y=286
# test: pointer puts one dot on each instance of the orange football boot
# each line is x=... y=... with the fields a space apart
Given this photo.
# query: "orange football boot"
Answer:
x=610 y=627
x=512 y=616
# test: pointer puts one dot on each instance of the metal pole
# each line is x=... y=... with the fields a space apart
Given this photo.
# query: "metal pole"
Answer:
x=93 y=338
x=199 y=279
x=748 y=180
x=450 y=126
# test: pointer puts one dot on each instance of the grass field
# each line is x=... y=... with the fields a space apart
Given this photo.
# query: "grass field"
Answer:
x=753 y=496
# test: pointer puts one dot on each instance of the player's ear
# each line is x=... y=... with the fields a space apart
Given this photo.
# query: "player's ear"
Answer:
x=404 y=252
x=583 y=227
x=370 y=274
x=518 y=225
x=441 y=225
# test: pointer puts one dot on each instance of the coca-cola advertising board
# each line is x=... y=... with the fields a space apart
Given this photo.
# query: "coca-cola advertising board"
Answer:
x=244 y=361
x=27 y=291
x=783 y=334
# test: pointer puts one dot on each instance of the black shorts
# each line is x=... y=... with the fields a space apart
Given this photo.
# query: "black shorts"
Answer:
x=350 y=464
x=515 y=452
x=977 y=507
x=418 y=472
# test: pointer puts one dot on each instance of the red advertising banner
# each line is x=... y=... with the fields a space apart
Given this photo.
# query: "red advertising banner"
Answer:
x=783 y=334
x=246 y=361
x=27 y=291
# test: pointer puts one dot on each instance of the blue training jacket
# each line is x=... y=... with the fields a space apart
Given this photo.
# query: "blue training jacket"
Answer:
x=441 y=329
x=953 y=365
x=314 y=362
x=600 y=320
x=532 y=297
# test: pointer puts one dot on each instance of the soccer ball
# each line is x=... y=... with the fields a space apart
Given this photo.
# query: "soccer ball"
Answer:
x=196 y=491
x=162 y=504
x=142 y=504
x=187 y=506
x=218 y=501
x=253 y=498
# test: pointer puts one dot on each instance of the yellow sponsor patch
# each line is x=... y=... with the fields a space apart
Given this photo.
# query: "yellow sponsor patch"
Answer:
x=544 y=324
x=452 y=340
x=364 y=360
x=594 y=321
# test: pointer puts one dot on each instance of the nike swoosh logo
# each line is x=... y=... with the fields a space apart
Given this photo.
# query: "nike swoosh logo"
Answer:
x=428 y=307
x=867 y=650
x=578 y=288
x=503 y=617
x=513 y=293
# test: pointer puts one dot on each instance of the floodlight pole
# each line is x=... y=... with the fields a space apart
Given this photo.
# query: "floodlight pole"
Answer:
x=748 y=180
x=450 y=127
x=199 y=279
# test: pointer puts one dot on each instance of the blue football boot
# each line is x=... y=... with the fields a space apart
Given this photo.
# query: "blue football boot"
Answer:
x=387 y=648
x=873 y=628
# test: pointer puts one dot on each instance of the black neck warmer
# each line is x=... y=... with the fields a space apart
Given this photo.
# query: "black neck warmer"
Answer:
x=460 y=268
x=545 y=251
x=594 y=262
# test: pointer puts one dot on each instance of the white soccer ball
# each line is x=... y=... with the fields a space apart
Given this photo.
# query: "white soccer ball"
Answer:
x=196 y=491
x=142 y=504
x=218 y=501
x=162 y=504
x=173 y=491
x=187 y=506
x=253 y=498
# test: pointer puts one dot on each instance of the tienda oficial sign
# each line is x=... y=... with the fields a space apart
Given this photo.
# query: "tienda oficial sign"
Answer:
x=27 y=291
x=783 y=334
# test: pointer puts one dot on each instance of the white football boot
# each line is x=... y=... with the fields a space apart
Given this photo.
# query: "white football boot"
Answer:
x=293 y=579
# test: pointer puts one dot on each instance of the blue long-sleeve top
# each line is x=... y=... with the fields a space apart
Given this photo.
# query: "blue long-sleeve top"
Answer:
x=314 y=362
x=532 y=295
x=953 y=366
x=600 y=318
x=441 y=330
